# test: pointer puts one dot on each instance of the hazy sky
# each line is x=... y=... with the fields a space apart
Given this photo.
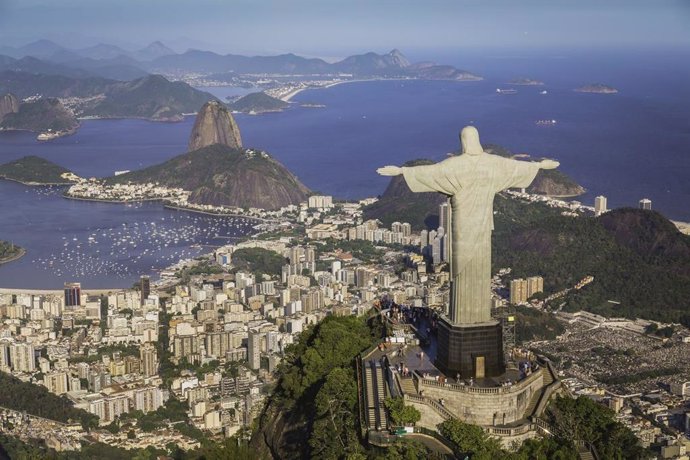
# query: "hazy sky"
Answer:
x=337 y=27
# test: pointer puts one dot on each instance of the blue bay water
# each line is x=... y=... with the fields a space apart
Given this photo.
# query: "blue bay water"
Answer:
x=626 y=146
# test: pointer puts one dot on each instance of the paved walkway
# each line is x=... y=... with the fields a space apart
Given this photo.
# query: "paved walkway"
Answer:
x=431 y=443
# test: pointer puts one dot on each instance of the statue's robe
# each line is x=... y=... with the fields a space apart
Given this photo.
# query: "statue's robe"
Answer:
x=471 y=182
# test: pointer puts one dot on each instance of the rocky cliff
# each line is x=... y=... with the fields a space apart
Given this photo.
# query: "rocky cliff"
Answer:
x=214 y=125
x=8 y=104
x=552 y=182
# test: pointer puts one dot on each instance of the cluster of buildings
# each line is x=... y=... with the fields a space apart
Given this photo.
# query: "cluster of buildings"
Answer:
x=522 y=289
x=95 y=189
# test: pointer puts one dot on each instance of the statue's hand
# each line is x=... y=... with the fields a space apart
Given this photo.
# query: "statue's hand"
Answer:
x=390 y=171
x=548 y=164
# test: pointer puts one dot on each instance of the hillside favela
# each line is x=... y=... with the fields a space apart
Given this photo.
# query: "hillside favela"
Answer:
x=352 y=230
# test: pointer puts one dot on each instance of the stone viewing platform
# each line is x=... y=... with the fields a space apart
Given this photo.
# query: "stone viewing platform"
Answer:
x=506 y=406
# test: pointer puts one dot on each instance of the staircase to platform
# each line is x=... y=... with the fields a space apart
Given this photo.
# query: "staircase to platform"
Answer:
x=375 y=395
x=407 y=385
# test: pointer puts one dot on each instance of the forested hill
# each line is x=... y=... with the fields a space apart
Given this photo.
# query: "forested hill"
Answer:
x=638 y=258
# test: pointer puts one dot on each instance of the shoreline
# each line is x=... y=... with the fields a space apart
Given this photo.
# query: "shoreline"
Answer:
x=683 y=227
x=102 y=200
x=37 y=184
x=166 y=205
x=19 y=255
x=295 y=92
x=290 y=95
x=209 y=213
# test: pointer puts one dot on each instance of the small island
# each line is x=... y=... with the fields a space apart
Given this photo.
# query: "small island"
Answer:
x=596 y=88
x=526 y=82
x=256 y=103
x=33 y=170
x=10 y=252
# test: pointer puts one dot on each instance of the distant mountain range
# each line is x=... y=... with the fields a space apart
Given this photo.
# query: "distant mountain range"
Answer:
x=108 y=81
x=393 y=64
x=113 y=62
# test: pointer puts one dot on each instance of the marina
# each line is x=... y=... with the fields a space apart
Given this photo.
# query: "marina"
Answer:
x=105 y=245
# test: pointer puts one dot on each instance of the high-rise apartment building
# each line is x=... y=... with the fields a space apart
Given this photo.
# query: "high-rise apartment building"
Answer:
x=646 y=203
x=254 y=350
x=56 y=382
x=145 y=286
x=444 y=216
x=534 y=284
x=600 y=205
x=518 y=291
x=23 y=357
x=72 y=294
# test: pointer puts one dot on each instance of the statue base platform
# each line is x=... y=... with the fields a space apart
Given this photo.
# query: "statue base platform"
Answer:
x=473 y=351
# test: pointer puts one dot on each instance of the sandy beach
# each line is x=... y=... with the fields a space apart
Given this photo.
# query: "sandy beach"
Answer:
x=684 y=227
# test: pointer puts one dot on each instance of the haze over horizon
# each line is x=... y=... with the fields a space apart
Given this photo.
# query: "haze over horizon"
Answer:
x=334 y=29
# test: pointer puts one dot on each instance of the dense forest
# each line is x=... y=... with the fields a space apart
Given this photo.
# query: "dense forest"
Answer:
x=258 y=260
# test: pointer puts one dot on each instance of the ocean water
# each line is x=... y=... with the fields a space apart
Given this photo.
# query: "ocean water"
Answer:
x=626 y=146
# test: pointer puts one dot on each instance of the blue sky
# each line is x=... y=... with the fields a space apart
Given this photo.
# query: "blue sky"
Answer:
x=338 y=27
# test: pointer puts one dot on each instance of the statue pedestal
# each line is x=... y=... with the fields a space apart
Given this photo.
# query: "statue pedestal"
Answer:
x=474 y=350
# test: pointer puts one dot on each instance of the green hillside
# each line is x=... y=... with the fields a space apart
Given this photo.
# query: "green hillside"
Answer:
x=33 y=170
x=258 y=103
x=220 y=175
x=637 y=258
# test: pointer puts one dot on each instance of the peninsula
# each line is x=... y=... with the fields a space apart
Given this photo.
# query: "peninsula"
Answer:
x=33 y=170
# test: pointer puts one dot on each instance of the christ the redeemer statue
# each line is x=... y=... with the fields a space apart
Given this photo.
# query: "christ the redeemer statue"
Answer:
x=471 y=180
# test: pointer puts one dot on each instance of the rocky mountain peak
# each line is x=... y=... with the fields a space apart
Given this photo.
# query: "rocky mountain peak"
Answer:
x=8 y=104
x=214 y=125
x=399 y=58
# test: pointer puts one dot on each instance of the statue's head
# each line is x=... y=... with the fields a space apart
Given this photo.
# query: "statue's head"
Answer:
x=469 y=138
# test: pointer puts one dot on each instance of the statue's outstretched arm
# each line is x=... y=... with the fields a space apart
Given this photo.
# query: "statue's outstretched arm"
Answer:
x=390 y=171
x=548 y=164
